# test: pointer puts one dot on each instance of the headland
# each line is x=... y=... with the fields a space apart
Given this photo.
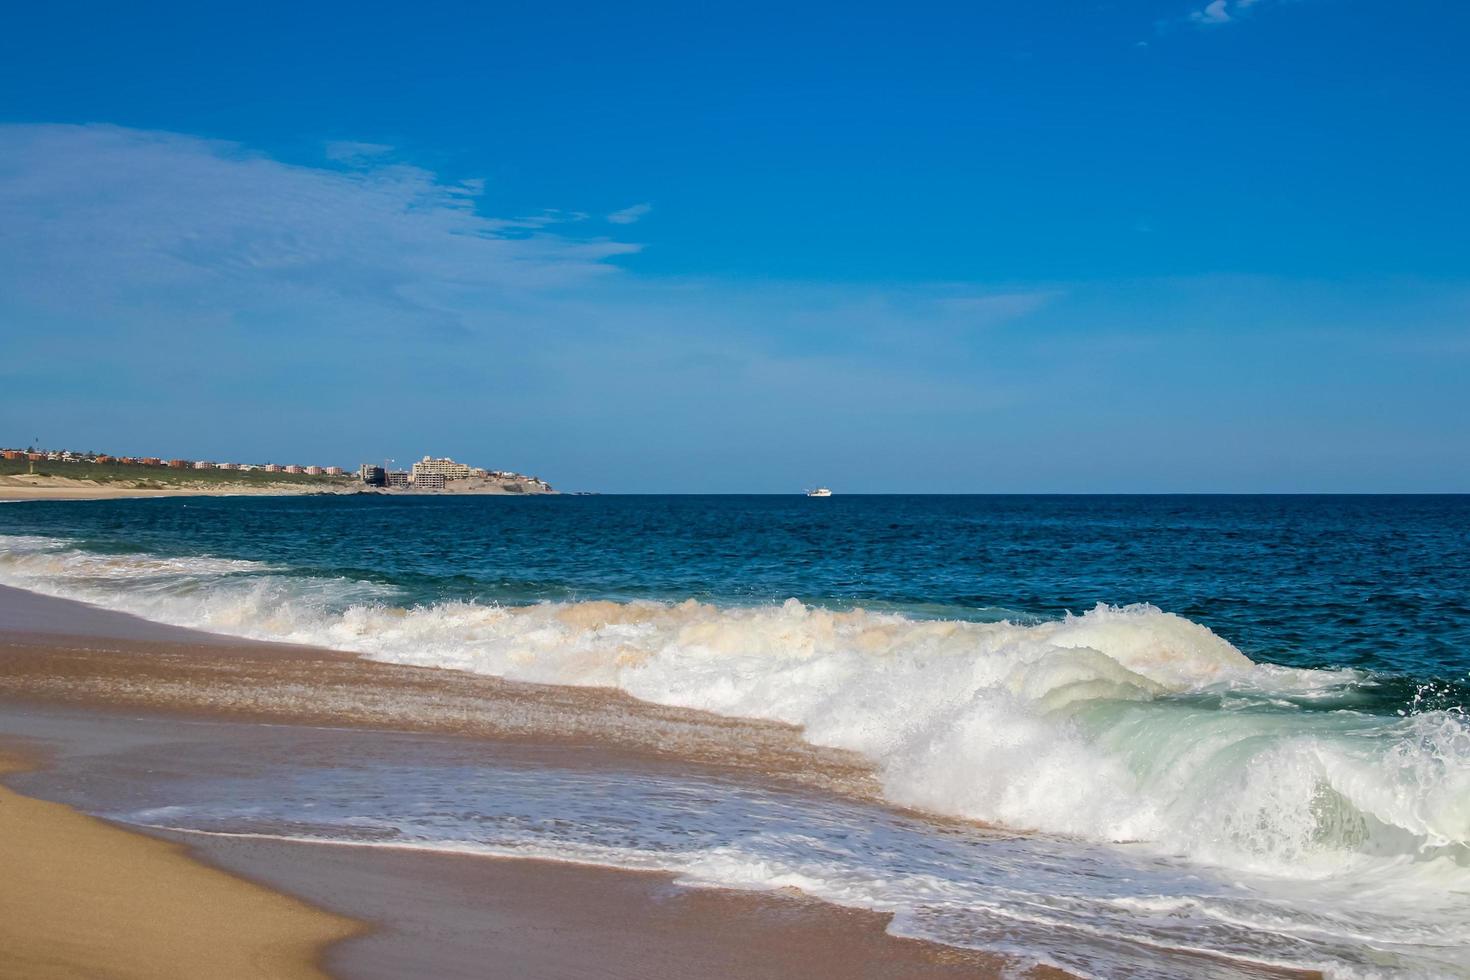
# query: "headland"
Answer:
x=31 y=474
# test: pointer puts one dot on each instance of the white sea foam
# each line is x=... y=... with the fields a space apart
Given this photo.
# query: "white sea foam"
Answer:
x=1106 y=726
x=1090 y=908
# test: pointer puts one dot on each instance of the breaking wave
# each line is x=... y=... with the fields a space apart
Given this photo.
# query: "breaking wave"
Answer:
x=1121 y=724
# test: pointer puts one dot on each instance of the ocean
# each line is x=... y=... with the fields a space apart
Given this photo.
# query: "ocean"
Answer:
x=1227 y=729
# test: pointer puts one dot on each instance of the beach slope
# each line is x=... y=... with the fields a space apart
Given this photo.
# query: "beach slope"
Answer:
x=82 y=898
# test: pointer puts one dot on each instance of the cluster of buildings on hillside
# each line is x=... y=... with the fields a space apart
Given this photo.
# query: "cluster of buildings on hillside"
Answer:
x=428 y=473
x=436 y=474
x=53 y=456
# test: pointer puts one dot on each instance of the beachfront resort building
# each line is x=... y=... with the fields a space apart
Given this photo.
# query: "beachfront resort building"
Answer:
x=446 y=467
x=431 y=474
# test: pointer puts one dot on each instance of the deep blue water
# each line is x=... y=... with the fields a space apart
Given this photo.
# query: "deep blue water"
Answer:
x=1376 y=582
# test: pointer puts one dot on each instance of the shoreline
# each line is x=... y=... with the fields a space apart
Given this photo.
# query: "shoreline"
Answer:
x=79 y=667
x=394 y=912
x=148 y=699
x=537 y=918
x=62 y=652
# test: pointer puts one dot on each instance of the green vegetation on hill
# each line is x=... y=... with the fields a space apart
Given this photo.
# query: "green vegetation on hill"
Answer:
x=162 y=476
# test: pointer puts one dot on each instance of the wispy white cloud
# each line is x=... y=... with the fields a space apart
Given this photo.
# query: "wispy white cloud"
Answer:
x=548 y=217
x=628 y=216
x=100 y=217
x=1217 y=12
x=1221 y=12
x=107 y=224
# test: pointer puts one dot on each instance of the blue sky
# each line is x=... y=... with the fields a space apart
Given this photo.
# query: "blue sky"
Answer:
x=1119 y=246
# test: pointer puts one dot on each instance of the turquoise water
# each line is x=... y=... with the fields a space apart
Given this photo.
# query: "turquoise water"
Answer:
x=1265 y=694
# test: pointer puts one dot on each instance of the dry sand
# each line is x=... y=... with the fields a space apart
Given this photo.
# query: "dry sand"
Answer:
x=81 y=898
x=27 y=487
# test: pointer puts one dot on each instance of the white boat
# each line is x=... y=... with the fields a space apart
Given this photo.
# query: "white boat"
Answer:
x=819 y=492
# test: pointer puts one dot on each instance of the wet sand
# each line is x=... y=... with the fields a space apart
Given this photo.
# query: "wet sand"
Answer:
x=447 y=915
x=440 y=914
x=53 y=651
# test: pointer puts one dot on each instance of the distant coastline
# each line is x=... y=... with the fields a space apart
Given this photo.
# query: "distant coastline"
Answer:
x=32 y=475
x=48 y=487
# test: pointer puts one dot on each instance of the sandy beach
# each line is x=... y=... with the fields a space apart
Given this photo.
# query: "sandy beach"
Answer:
x=82 y=898
x=78 y=682
x=65 y=488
